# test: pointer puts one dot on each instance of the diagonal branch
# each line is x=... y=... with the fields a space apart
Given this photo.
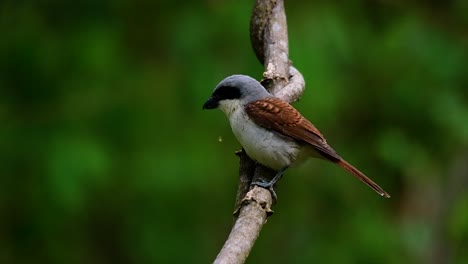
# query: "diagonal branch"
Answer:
x=269 y=39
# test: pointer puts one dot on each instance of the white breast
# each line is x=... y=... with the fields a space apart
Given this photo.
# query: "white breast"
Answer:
x=266 y=147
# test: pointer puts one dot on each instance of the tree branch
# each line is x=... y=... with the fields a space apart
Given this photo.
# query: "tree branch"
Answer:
x=252 y=216
x=269 y=39
x=246 y=171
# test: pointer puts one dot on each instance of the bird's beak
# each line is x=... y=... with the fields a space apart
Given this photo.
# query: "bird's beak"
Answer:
x=211 y=103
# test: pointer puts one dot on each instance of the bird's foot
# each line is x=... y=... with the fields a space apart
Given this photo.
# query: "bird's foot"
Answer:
x=267 y=185
x=270 y=184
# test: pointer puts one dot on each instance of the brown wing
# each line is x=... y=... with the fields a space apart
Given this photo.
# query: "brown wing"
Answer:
x=279 y=116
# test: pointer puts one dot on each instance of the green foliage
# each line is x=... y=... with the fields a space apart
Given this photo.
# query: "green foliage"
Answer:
x=107 y=156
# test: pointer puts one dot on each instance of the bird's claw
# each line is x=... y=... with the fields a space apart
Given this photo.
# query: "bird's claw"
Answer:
x=268 y=186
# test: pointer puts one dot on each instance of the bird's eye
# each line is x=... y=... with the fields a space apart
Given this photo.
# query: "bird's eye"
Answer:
x=227 y=92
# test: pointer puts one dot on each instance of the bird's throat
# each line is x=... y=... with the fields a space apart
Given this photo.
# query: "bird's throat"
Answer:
x=229 y=106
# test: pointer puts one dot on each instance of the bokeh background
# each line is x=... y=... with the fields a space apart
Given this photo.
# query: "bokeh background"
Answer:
x=107 y=157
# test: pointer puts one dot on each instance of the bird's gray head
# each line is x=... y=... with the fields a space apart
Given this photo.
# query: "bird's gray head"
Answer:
x=234 y=91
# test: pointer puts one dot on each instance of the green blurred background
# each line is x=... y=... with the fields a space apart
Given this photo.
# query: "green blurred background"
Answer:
x=107 y=157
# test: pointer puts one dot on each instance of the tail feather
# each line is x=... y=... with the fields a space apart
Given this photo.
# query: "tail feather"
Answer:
x=356 y=173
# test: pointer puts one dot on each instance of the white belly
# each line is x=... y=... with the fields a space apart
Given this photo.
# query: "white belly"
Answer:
x=264 y=146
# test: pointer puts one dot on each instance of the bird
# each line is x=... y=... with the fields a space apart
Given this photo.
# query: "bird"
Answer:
x=272 y=132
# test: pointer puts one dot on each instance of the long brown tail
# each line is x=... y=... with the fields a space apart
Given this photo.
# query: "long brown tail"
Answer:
x=356 y=173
